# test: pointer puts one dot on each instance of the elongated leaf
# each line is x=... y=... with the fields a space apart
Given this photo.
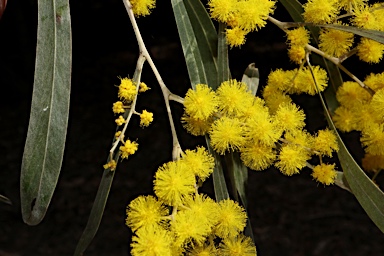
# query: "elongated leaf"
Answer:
x=44 y=147
x=251 y=78
x=342 y=182
x=223 y=71
x=206 y=38
x=370 y=197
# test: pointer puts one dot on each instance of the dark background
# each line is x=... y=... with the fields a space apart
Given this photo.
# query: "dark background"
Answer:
x=290 y=215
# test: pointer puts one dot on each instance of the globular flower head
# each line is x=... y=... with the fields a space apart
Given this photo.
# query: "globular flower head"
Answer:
x=227 y=134
x=364 y=17
x=298 y=36
x=195 y=126
x=377 y=103
x=120 y=121
x=344 y=119
x=349 y=5
x=231 y=219
x=203 y=250
x=373 y=162
x=296 y=54
x=291 y=159
x=257 y=156
x=118 y=107
x=173 y=182
x=145 y=211
x=335 y=42
x=200 y=162
x=142 y=7
x=143 y=87
x=375 y=81
x=324 y=173
x=235 y=36
x=350 y=93
x=239 y=245
x=325 y=142
x=321 y=11
x=200 y=103
x=234 y=98
x=111 y=165
x=146 y=118
x=222 y=10
x=373 y=139
x=152 y=240
x=127 y=89
x=370 y=51
x=129 y=148
x=252 y=14
x=289 y=117
x=304 y=82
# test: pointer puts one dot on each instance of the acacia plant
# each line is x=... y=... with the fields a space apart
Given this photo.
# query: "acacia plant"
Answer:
x=243 y=132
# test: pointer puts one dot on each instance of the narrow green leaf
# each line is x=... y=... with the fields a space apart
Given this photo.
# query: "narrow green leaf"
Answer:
x=205 y=34
x=44 y=146
x=342 y=182
x=251 y=78
x=189 y=44
x=294 y=8
x=370 y=197
x=369 y=33
x=224 y=74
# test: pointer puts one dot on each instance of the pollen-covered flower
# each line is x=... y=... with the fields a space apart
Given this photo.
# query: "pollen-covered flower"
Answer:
x=275 y=97
x=349 y=93
x=344 y=119
x=227 y=134
x=239 y=245
x=231 y=219
x=291 y=159
x=143 y=87
x=375 y=81
x=325 y=142
x=289 y=117
x=373 y=162
x=120 y=121
x=234 y=98
x=235 y=36
x=200 y=103
x=173 y=183
x=118 y=107
x=252 y=14
x=298 y=36
x=299 y=137
x=205 y=249
x=146 y=118
x=377 y=103
x=261 y=128
x=296 y=54
x=370 y=51
x=321 y=11
x=335 y=42
x=145 y=211
x=142 y=7
x=127 y=89
x=129 y=148
x=111 y=165
x=373 y=139
x=200 y=162
x=349 y=5
x=324 y=173
x=222 y=10
x=304 y=80
x=152 y=240
x=194 y=126
x=257 y=156
x=365 y=18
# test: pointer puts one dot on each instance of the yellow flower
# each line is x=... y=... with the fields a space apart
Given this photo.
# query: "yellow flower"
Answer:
x=373 y=139
x=344 y=119
x=173 y=183
x=324 y=173
x=239 y=245
x=373 y=162
x=375 y=81
x=350 y=93
x=118 y=107
x=325 y=142
x=234 y=98
x=252 y=14
x=278 y=79
x=120 y=121
x=200 y=103
x=349 y=5
x=335 y=42
x=299 y=137
x=231 y=219
x=195 y=126
x=260 y=128
x=143 y=87
x=142 y=7
x=152 y=241
x=289 y=117
x=127 y=89
x=320 y=11
x=257 y=106
x=222 y=10
x=292 y=159
x=365 y=115
x=296 y=54
x=298 y=36
x=129 y=148
x=274 y=97
x=365 y=18
x=111 y=165
x=199 y=161
x=377 y=103
x=203 y=250
x=146 y=118
x=145 y=211
x=235 y=36
x=304 y=80
x=369 y=50
x=257 y=156
x=227 y=134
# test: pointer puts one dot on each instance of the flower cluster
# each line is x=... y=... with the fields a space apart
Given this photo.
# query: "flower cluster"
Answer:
x=265 y=132
x=358 y=13
x=127 y=93
x=179 y=220
x=363 y=111
x=142 y=7
x=241 y=16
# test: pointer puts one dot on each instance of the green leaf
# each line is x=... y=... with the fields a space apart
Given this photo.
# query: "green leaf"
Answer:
x=342 y=182
x=251 y=78
x=224 y=74
x=201 y=68
x=44 y=146
x=294 y=8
